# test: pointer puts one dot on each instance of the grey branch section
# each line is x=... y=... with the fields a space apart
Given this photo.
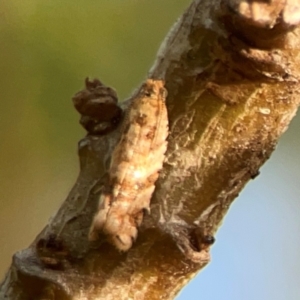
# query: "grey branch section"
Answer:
x=232 y=71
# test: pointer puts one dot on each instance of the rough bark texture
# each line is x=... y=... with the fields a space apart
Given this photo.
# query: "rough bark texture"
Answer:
x=231 y=70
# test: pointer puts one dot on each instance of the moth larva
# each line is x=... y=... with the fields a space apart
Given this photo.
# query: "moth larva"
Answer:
x=134 y=167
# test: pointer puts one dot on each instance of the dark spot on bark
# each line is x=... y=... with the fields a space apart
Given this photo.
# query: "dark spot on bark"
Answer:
x=254 y=174
x=208 y=239
x=52 y=242
x=199 y=240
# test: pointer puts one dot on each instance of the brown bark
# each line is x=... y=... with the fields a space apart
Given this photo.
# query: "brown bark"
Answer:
x=231 y=71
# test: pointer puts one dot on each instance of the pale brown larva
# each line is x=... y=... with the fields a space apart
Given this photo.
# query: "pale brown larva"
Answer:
x=134 y=167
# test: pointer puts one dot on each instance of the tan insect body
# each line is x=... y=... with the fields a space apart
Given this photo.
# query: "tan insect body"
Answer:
x=134 y=167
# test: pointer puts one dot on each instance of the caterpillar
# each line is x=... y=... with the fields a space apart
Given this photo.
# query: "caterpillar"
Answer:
x=134 y=168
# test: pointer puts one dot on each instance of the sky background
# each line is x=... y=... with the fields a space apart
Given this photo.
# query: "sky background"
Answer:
x=47 y=49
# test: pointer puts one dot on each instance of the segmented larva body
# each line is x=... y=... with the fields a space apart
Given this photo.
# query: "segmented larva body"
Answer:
x=134 y=167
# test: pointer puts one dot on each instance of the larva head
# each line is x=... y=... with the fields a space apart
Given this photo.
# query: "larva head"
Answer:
x=154 y=88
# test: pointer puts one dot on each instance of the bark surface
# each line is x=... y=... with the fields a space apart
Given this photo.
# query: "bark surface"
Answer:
x=231 y=69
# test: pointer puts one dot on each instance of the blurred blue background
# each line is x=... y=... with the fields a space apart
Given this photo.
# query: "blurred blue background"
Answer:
x=47 y=49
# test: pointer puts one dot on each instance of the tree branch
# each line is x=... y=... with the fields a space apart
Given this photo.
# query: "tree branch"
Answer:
x=231 y=71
